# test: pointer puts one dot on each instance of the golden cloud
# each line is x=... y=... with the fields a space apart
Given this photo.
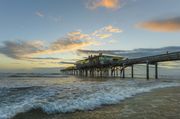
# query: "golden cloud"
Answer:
x=29 y=50
x=103 y=36
x=167 y=25
x=111 y=4
x=112 y=29
x=106 y=32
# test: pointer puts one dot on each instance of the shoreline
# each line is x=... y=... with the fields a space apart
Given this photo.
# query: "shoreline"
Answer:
x=162 y=103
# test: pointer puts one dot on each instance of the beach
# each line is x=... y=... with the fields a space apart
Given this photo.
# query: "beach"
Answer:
x=90 y=59
x=161 y=103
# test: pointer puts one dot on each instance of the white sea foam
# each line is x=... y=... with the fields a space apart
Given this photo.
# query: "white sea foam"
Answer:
x=80 y=95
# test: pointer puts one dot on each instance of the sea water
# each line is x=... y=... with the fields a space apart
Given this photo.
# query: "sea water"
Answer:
x=60 y=94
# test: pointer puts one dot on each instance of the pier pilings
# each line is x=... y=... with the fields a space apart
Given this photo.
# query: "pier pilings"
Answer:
x=118 y=71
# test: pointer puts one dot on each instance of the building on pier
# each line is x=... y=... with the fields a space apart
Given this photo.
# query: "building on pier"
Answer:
x=98 y=60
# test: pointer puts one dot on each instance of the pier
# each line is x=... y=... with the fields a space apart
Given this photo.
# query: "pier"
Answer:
x=104 y=65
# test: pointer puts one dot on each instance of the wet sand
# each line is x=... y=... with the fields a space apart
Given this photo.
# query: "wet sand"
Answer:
x=158 y=104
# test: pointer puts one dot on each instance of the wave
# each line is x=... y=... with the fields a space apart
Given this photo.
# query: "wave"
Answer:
x=47 y=75
x=73 y=97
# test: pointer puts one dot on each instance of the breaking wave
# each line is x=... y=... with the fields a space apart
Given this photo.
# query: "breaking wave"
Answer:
x=69 y=97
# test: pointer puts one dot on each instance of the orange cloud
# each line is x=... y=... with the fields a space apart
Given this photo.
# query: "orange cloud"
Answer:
x=111 y=4
x=168 y=25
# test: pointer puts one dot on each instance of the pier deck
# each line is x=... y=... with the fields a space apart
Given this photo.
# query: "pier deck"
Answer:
x=94 y=67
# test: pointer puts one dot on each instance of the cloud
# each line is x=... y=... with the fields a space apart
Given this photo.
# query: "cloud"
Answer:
x=71 y=42
x=63 y=62
x=110 y=4
x=21 y=49
x=103 y=36
x=39 y=14
x=166 y=25
x=48 y=17
x=106 y=32
x=134 y=53
x=112 y=29
x=32 y=50
x=46 y=58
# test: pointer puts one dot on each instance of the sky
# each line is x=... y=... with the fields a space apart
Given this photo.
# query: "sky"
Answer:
x=37 y=34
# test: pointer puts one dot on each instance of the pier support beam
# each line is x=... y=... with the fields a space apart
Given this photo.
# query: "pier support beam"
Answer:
x=111 y=72
x=117 y=71
x=101 y=72
x=123 y=72
x=86 y=73
x=147 y=71
x=156 y=70
x=132 y=71
x=114 y=72
x=93 y=72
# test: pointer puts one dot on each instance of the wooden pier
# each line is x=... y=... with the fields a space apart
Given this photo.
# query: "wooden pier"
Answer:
x=102 y=65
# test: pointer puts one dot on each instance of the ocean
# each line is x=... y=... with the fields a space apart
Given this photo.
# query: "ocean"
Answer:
x=55 y=93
